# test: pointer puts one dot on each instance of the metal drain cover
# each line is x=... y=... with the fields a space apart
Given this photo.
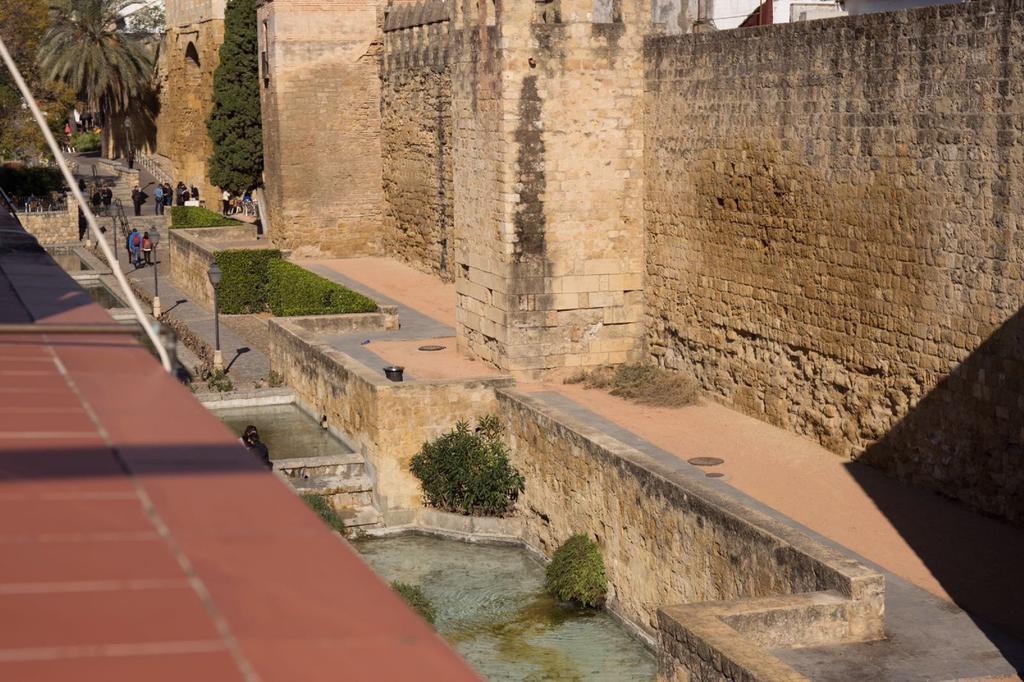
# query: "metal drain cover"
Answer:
x=714 y=474
x=705 y=461
x=432 y=348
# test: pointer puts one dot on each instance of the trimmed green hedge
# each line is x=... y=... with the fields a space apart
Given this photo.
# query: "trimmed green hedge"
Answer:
x=244 y=278
x=292 y=290
x=257 y=280
x=197 y=216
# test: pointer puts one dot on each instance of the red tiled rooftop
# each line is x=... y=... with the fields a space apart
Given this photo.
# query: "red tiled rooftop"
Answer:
x=141 y=542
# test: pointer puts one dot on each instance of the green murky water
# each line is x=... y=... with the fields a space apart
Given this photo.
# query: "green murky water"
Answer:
x=492 y=608
x=288 y=431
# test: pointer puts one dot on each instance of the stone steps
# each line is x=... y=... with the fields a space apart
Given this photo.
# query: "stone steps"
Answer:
x=345 y=493
x=347 y=465
x=361 y=517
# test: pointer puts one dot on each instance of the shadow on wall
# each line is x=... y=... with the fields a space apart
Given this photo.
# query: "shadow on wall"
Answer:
x=966 y=439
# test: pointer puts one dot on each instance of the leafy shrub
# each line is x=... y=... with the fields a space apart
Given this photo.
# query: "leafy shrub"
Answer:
x=414 y=597
x=22 y=181
x=325 y=511
x=87 y=141
x=197 y=216
x=215 y=379
x=576 y=572
x=468 y=472
x=244 y=279
x=292 y=290
x=642 y=383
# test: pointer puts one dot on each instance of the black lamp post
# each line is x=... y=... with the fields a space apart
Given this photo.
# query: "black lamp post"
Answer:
x=154 y=241
x=218 y=360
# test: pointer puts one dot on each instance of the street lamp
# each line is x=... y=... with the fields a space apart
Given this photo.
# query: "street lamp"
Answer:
x=154 y=240
x=214 y=274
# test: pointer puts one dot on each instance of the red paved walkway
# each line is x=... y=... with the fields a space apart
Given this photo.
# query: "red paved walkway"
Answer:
x=139 y=541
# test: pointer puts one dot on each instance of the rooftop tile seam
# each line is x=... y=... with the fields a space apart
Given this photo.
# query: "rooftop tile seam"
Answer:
x=219 y=622
x=197 y=646
x=58 y=587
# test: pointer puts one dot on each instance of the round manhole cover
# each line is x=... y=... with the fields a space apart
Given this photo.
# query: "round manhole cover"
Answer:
x=432 y=348
x=714 y=474
x=705 y=461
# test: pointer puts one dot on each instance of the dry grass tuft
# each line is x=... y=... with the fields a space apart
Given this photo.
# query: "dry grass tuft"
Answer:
x=640 y=383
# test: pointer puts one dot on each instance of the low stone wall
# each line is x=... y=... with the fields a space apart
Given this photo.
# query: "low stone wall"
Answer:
x=190 y=262
x=52 y=227
x=389 y=421
x=669 y=539
x=192 y=255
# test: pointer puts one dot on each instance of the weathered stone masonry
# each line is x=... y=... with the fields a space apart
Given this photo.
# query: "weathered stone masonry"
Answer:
x=320 y=95
x=189 y=55
x=416 y=120
x=548 y=190
x=834 y=245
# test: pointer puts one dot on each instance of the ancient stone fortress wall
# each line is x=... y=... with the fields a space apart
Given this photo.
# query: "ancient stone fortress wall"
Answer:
x=189 y=55
x=320 y=95
x=416 y=136
x=833 y=216
x=548 y=186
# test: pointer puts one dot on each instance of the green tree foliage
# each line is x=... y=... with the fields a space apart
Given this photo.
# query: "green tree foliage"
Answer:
x=468 y=471
x=234 y=125
x=87 y=48
x=576 y=572
x=151 y=20
x=22 y=26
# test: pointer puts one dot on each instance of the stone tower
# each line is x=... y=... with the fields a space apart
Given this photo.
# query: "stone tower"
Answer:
x=548 y=147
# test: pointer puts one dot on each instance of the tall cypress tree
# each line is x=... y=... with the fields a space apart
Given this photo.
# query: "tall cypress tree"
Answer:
x=234 y=124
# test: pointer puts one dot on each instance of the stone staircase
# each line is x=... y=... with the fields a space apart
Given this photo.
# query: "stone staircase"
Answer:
x=342 y=479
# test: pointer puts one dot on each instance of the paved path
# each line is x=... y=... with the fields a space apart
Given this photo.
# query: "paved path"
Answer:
x=932 y=550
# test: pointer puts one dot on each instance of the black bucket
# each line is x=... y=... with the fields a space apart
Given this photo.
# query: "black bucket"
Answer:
x=394 y=373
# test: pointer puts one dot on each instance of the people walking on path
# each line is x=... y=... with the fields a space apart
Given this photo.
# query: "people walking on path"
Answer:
x=182 y=193
x=195 y=193
x=158 y=200
x=135 y=247
x=147 y=249
x=137 y=198
x=108 y=196
x=168 y=195
x=226 y=201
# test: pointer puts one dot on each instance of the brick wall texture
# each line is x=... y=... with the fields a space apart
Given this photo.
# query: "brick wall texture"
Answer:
x=833 y=214
x=321 y=117
x=52 y=227
x=416 y=140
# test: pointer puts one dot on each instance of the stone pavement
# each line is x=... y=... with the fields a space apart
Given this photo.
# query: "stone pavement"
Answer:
x=933 y=551
x=245 y=363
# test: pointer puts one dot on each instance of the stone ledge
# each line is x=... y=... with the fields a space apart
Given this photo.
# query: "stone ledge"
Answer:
x=492 y=529
x=728 y=639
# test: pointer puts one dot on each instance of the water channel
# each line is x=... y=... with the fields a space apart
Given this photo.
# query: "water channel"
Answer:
x=287 y=431
x=492 y=608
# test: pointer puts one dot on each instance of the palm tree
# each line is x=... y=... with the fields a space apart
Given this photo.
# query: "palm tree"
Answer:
x=88 y=48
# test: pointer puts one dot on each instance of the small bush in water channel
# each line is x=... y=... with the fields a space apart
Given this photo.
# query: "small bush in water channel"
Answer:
x=576 y=572
x=414 y=597
x=467 y=471
x=325 y=511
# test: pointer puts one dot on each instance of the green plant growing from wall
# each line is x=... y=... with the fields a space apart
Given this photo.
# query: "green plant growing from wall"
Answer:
x=325 y=511
x=234 y=125
x=468 y=471
x=415 y=598
x=576 y=572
